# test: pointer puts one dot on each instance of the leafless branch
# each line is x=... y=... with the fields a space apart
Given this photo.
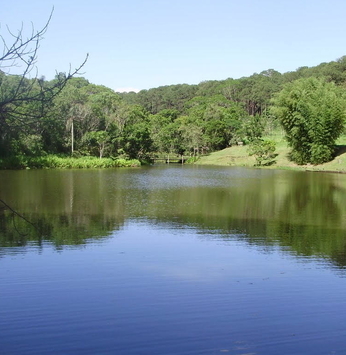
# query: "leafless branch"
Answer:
x=21 y=47
x=22 y=51
x=15 y=213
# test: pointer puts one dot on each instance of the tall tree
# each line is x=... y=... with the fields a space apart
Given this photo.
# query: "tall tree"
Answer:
x=72 y=107
x=312 y=113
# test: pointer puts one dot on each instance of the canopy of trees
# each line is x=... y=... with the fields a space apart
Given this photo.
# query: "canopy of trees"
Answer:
x=70 y=116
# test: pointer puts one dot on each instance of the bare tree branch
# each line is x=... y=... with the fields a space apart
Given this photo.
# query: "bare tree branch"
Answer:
x=20 y=48
x=15 y=213
x=23 y=52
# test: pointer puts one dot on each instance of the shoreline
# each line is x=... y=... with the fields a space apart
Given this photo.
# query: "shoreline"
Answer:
x=59 y=162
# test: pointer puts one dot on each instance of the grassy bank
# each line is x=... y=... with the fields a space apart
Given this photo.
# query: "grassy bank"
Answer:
x=57 y=162
x=238 y=156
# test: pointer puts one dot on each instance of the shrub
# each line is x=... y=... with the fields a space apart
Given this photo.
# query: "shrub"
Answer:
x=57 y=162
x=263 y=151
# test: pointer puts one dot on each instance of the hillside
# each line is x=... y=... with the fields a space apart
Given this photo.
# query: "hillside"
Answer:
x=83 y=119
x=238 y=156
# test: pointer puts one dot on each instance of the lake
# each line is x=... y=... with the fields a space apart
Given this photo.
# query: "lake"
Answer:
x=173 y=260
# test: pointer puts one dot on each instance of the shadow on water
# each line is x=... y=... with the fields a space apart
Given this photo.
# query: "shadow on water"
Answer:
x=60 y=230
x=302 y=212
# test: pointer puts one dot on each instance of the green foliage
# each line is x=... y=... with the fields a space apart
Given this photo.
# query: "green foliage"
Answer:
x=96 y=142
x=164 y=97
x=25 y=100
x=253 y=128
x=56 y=162
x=312 y=113
x=218 y=119
x=133 y=137
x=191 y=160
x=191 y=138
x=263 y=151
x=83 y=119
x=165 y=132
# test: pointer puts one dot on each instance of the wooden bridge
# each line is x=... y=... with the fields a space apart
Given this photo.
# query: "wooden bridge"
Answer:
x=169 y=160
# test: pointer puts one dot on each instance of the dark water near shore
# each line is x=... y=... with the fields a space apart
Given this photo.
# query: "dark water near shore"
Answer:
x=173 y=260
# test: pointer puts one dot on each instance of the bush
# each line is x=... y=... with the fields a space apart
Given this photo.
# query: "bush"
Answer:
x=57 y=162
x=263 y=151
x=192 y=159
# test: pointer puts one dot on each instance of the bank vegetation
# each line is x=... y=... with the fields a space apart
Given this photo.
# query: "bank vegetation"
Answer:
x=69 y=122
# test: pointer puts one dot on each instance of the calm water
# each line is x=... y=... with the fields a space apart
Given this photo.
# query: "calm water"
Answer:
x=173 y=260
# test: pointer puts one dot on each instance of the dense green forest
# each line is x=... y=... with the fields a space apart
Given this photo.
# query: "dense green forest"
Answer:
x=81 y=119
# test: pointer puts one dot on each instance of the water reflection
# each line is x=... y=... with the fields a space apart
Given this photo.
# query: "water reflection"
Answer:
x=298 y=211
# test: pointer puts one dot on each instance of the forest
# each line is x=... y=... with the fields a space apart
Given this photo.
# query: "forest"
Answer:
x=81 y=119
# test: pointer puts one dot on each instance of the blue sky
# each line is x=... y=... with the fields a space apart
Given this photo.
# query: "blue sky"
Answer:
x=140 y=44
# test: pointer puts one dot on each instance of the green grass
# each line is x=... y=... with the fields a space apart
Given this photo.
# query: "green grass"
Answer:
x=56 y=162
x=238 y=156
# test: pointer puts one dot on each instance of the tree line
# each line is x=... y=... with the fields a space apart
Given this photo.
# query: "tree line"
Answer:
x=71 y=116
